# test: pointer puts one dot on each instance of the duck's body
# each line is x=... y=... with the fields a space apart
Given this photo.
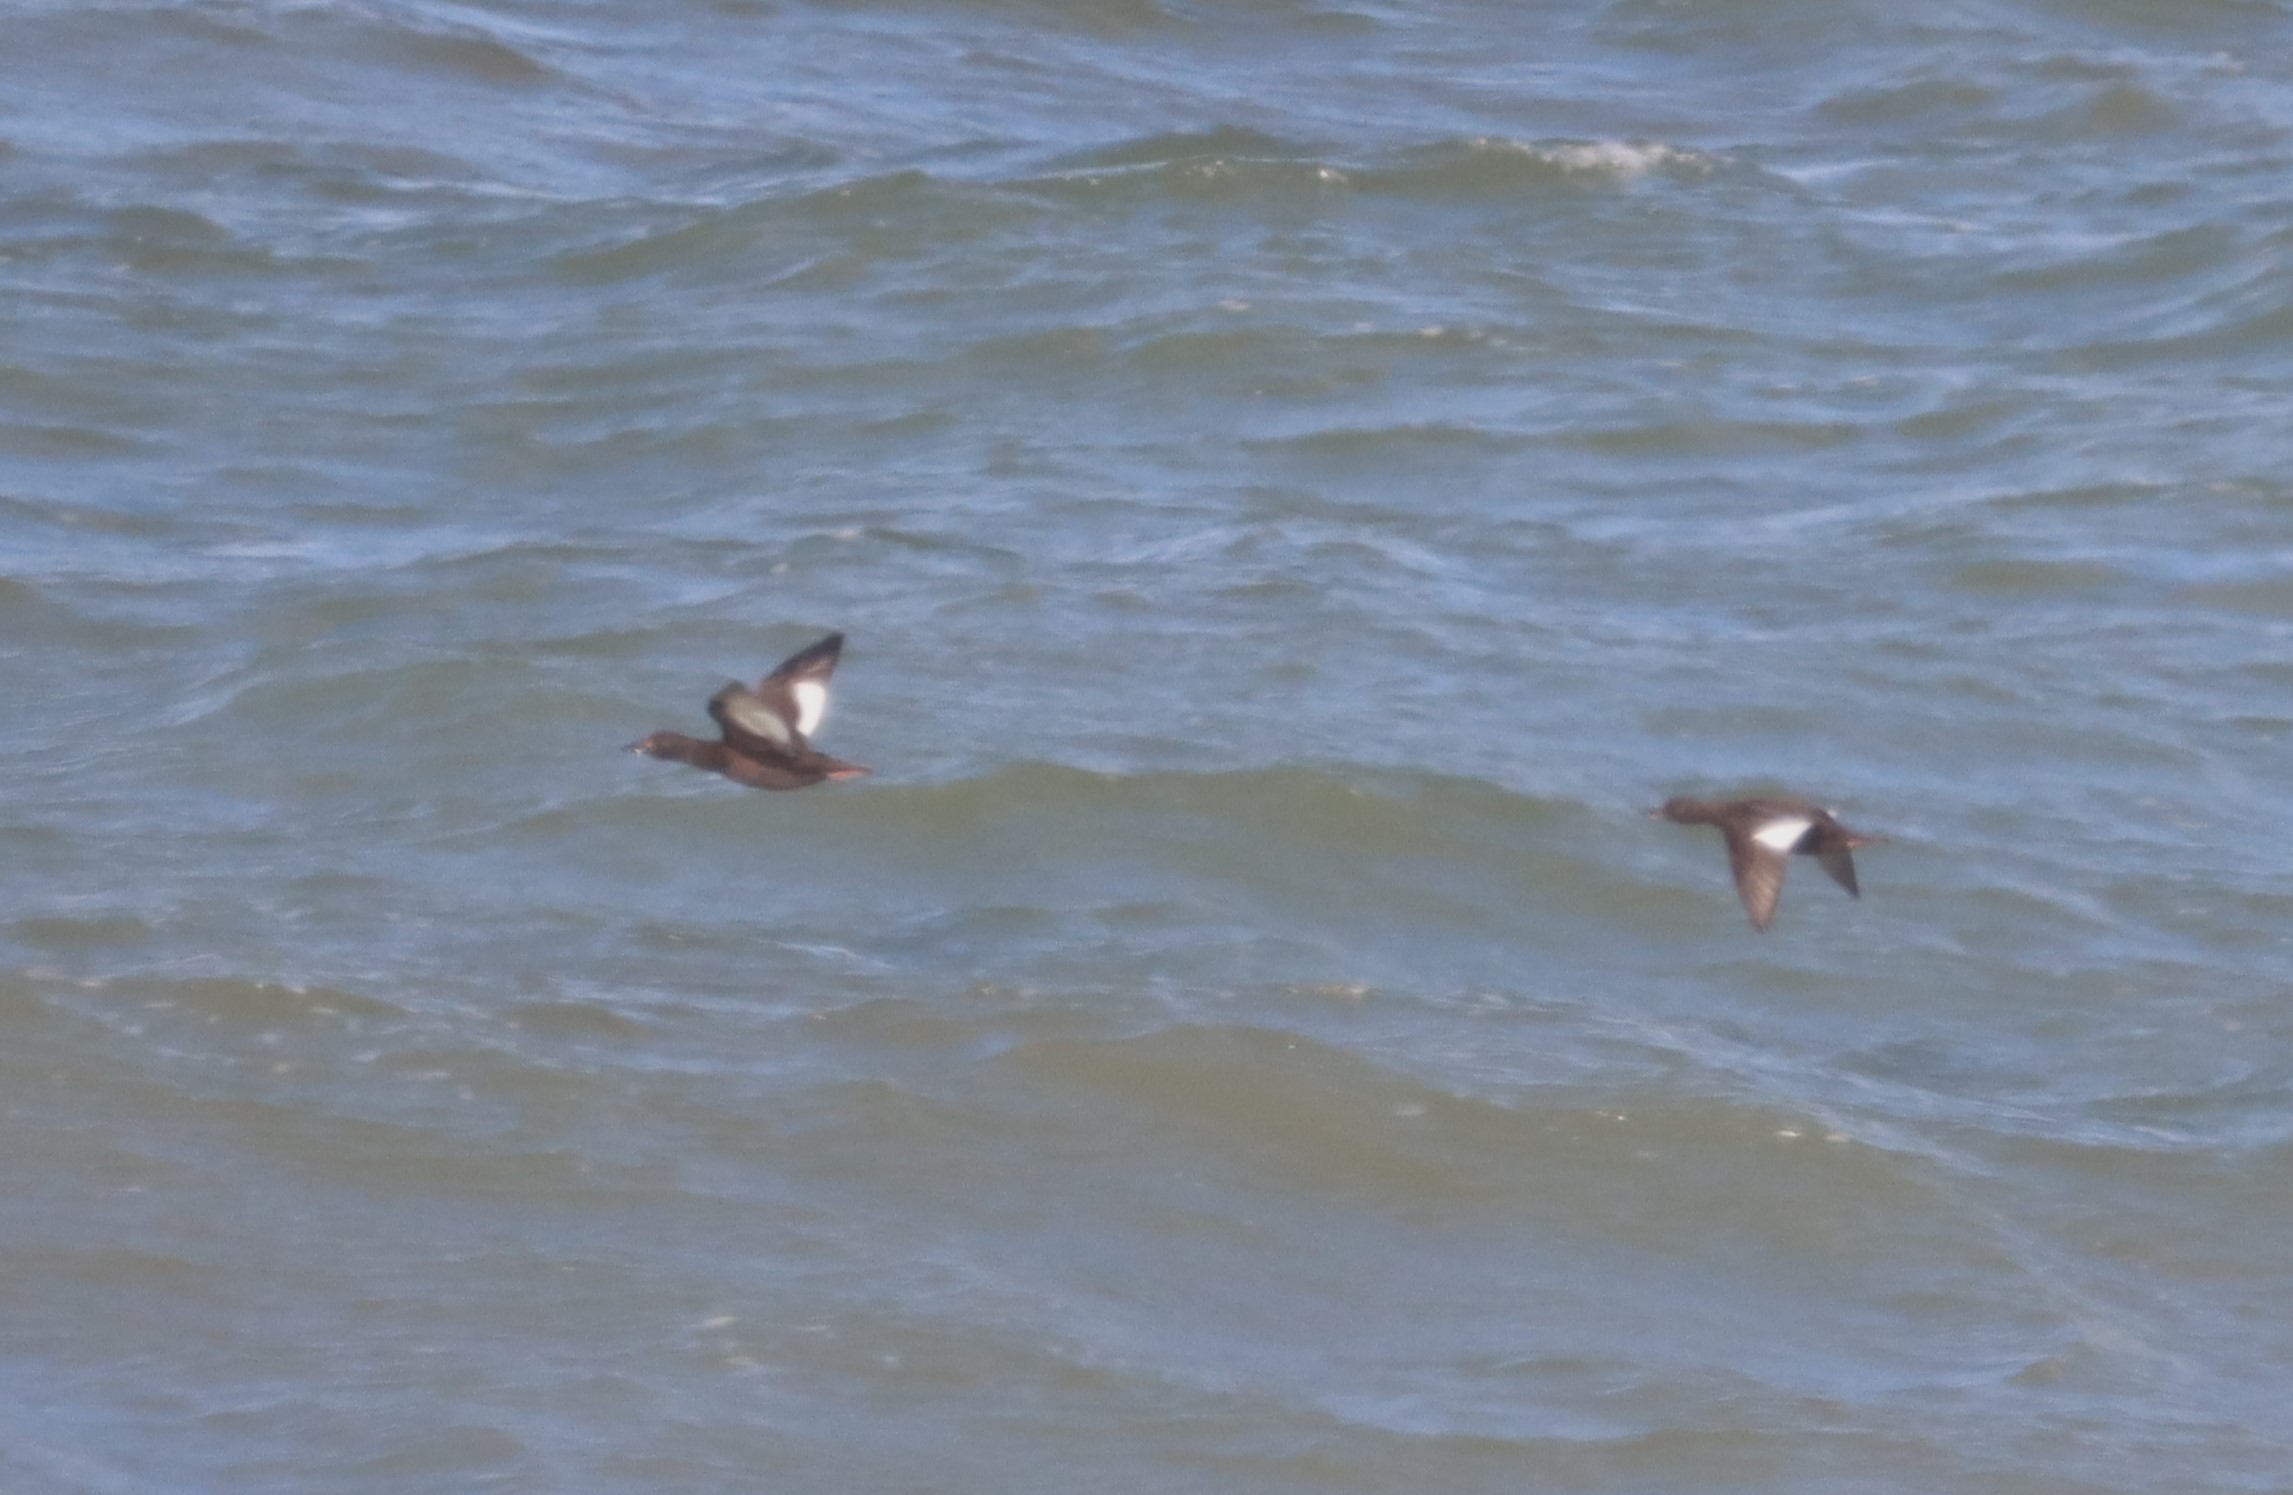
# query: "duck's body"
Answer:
x=1762 y=834
x=766 y=741
x=785 y=771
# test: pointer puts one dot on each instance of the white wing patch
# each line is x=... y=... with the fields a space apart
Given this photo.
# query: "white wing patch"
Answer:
x=752 y=715
x=811 y=704
x=1783 y=835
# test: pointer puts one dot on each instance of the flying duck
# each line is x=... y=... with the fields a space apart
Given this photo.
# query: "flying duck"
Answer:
x=766 y=732
x=1762 y=834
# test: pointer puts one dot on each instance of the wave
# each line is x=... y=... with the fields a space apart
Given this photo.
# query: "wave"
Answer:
x=1246 y=164
x=813 y=200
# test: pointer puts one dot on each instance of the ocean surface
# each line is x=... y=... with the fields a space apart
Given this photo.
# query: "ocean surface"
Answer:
x=1300 y=480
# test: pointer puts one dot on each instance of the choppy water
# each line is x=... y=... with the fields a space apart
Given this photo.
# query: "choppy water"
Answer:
x=1300 y=480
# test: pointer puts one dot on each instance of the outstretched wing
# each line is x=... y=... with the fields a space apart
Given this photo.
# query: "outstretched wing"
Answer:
x=797 y=692
x=751 y=726
x=775 y=719
x=1759 y=875
x=1840 y=863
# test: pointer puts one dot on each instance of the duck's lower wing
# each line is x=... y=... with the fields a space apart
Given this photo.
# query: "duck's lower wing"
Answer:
x=1759 y=876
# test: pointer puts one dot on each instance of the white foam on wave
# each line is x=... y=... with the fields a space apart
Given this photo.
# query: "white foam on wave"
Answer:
x=1626 y=160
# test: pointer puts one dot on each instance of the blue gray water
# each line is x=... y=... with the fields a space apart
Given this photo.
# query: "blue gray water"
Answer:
x=1300 y=481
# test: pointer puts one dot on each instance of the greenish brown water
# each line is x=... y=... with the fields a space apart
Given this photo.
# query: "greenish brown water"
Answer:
x=1299 y=481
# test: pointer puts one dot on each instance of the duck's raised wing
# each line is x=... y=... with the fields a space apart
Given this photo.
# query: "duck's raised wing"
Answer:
x=1833 y=854
x=798 y=691
x=751 y=726
x=785 y=709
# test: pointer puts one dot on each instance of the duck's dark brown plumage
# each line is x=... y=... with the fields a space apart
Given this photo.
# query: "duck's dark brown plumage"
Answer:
x=765 y=733
x=1762 y=836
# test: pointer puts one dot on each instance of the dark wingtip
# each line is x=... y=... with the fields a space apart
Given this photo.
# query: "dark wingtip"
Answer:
x=823 y=654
